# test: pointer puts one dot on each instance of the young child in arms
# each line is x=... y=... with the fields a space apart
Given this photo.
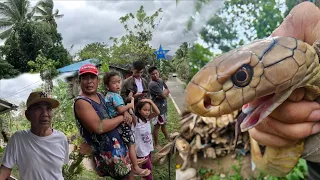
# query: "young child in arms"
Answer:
x=116 y=106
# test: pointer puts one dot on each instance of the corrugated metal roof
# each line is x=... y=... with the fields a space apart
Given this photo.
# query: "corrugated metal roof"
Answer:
x=6 y=106
x=76 y=66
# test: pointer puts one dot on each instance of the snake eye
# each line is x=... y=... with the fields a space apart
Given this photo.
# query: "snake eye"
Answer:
x=243 y=76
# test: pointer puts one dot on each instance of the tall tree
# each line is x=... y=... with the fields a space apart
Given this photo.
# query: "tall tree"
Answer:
x=188 y=60
x=181 y=61
x=47 y=69
x=97 y=50
x=31 y=38
x=134 y=45
x=15 y=13
x=238 y=22
x=93 y=50
x=46 y=13
x=198 y=56
x=7 y=70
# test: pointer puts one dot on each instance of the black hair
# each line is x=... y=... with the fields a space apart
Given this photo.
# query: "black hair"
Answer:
x=151 y=69
x=138 y=65
x=108 y=75
x=138 y=108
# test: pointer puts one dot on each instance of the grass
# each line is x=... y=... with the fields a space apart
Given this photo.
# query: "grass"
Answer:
x=159 y=172
x=299 y=172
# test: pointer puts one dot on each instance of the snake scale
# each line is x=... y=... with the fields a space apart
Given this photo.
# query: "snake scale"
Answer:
x=257 y=77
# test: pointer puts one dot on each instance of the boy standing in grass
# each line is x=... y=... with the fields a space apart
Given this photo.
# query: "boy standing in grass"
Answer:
x=159 y=92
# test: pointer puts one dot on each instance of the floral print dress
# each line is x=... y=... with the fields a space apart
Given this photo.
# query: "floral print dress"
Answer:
x=109 y=151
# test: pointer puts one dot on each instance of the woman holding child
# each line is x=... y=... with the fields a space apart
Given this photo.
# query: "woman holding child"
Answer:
x=105 y=124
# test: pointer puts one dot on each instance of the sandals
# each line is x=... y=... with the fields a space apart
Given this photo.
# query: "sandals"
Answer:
x=144 y=173
x=142 y=160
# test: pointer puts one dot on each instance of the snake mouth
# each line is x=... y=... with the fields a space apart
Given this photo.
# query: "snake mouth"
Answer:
x=256 y=111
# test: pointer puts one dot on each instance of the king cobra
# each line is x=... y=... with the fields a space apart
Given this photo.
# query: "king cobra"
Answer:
x=257 y=77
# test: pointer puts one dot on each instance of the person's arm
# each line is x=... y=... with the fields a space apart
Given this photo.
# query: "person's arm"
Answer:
x=165 y=85
x=136 y=95
x=91 y=121
x=85 y=149
x=4 y=172
x=119 y=104
x=122 y=109
x=166 y=91
x=156 y=111
x=157 y=91
x=9 y=158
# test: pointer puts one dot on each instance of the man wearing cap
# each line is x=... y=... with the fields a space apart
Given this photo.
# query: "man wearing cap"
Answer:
x=41 y=151
x=100 y=132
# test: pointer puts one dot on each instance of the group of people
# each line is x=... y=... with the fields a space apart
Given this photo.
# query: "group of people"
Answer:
x=117 y=128
x=116 y=125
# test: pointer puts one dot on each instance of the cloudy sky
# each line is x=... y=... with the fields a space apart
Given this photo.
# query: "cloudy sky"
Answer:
x=91 y=21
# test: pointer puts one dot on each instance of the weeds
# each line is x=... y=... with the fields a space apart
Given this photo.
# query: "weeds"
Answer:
x=299 y=172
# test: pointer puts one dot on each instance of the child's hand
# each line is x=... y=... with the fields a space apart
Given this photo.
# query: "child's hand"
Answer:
x=131 y=111
x=85 y=149
x=130 y=95
x=128 y=121
x=131 y=104
x=138 y=94
x=166 y=92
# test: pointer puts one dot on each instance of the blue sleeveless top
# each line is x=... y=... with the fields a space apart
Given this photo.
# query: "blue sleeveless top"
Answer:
x=109 y=151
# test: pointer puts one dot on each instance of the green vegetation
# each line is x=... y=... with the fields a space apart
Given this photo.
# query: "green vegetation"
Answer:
x=299 y=172
x=33 y=44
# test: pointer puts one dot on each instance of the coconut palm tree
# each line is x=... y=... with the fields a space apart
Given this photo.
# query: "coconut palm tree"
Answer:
x=45 y=10
x=14 y=13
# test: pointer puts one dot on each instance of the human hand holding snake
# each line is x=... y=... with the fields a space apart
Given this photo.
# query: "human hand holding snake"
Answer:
x=264 y=78
x=294 y=119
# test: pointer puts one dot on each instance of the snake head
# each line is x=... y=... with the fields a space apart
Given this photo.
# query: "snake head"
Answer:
x=256 y=78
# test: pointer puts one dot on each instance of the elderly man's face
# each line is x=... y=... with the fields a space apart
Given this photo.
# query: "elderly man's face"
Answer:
x=40 y=115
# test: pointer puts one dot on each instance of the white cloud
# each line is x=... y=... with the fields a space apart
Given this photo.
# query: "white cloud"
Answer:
x=95 y=21
x=91 y=21
x=17 y=89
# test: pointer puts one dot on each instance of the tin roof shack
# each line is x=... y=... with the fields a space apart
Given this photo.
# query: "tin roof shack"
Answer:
x=5 y=107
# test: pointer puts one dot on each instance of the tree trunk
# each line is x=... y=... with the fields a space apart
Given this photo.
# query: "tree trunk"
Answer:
x=48 y=86
x=48 y=83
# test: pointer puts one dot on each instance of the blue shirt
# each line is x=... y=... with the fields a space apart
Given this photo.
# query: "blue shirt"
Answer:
x=113 y=100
